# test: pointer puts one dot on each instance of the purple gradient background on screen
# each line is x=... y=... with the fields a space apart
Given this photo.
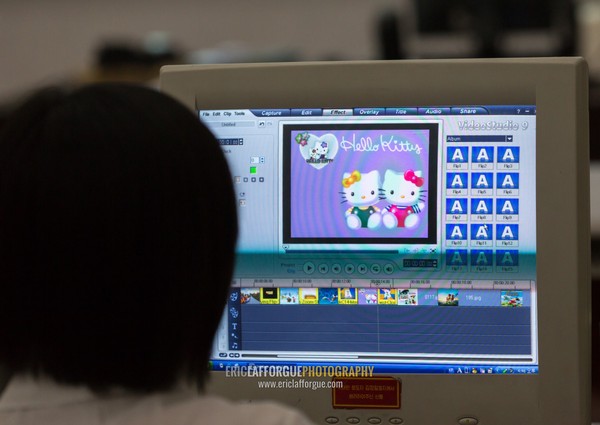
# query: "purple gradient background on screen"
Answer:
x=316 y=206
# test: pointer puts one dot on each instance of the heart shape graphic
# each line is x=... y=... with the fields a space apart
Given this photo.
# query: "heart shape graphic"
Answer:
x=319 y=151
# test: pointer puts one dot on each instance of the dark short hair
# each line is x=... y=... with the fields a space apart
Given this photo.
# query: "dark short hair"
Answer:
x=117 y=236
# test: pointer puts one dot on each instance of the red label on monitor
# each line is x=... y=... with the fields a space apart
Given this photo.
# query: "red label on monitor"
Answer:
x=367 y=393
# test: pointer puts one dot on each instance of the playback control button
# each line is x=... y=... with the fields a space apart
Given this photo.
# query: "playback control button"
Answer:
x=309 y=268
x=388 y=268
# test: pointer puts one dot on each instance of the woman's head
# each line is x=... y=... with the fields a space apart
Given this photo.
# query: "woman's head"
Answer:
x=117 y=231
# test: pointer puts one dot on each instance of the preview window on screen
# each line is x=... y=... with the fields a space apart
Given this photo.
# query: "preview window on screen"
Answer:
x=400 y=238
x=363 y=183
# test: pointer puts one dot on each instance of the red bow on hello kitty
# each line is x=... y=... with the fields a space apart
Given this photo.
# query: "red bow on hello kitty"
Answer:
x=412 y=177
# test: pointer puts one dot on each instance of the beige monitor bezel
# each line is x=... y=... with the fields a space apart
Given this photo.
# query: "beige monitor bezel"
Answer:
x=560 y=393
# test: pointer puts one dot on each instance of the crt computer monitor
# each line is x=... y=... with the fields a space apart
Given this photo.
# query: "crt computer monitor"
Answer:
x=426 y=222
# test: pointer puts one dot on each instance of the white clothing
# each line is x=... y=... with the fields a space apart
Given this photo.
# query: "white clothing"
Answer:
x=26 y=401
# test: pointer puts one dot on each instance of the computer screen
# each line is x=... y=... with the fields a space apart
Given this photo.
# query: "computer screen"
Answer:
x=401 y=238
x=414 y=237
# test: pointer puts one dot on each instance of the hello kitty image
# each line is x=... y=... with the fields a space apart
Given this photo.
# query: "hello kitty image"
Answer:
x=405 y=193
x=371 y=298
x=319 y=150
x=368 y=295
x=361 y=191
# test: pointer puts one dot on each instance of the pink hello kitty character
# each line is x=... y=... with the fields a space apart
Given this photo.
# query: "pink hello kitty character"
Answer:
x=406 y=196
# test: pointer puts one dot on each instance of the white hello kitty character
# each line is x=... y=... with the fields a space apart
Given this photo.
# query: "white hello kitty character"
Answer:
x=319 y=150
x=362 y=192
x=405 y=194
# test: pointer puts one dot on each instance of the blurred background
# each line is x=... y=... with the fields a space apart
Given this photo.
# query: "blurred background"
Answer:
x=69 y=41
x=72 y=42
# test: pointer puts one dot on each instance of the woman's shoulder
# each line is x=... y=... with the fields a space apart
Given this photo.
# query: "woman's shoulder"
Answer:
x=27 y=401
x=216 y=410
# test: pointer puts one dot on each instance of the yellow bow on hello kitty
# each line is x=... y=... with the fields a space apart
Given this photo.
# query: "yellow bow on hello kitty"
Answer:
x=354 y=177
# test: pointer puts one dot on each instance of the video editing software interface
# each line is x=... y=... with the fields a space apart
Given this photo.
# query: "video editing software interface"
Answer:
x=399 y=238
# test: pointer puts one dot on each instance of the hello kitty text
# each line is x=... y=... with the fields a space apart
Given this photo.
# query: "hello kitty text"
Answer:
x=386 y=144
